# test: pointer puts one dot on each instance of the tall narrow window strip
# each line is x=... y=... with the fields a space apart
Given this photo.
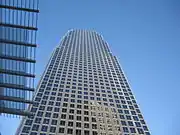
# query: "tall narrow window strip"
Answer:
x=18 y=28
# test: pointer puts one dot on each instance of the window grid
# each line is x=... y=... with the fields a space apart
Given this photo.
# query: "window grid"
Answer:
x=87 y=91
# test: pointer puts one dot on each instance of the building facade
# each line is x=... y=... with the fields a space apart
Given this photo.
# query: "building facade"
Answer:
x=18 y=27
x=83 y=91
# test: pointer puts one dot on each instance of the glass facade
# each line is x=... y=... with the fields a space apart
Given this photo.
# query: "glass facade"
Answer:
x=18 y=26
x=83 y=91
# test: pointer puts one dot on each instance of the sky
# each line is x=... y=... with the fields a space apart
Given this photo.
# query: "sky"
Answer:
x=143 y=34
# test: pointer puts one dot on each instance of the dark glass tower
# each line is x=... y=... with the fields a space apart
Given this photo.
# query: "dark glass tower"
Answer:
x=18 y=26
x=83 y=91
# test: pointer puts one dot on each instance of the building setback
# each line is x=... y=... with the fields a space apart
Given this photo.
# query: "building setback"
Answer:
x=83 y=91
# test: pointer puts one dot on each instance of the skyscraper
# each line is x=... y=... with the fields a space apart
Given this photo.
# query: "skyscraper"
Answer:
x=83 y=91
x=18 y=27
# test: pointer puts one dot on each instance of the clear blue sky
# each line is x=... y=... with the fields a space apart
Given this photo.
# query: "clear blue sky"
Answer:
x=144 y=34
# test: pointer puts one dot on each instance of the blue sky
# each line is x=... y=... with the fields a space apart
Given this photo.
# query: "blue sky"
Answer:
x=143 y=34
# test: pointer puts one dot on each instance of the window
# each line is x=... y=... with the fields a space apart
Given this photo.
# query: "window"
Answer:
x=62 y=123
x=94 y=126
x=86 y=132
x=49 y=108
x=86 y=113
x=26 y=129
x=39 y=113
x=79 y=101
x=55 y=115
x=85 y=107
x=130 y=123
x=72 y=105
x=142 y=121
x=85 y=102
x=44 y=128
x=42 y=134
x=128 y=117
x=54 y=122
x=35 y=127
x=71 y=111
x=38 y=120
x=93 y=119
x=145 y=128
x=48 y=114
x=28 y=122
x=78 y=106
x=123 y=123
x=52 y=129
x=65 y=104
x=63 y=116
x=125 y=129
x=64 y=110
x=94 y=133
x=33 y=133
x=71 y=117
x=78 y=111
x=70 y=124
x=78 y=117
x=86 y=118
x=147 y=133
x=135 y=118
x=46 y=121
x=78 y=132
x=86 y=125
x=70 y=131
x=138 y=124
x=126 y=111
x=78 y=124
x=140 y=131
x=61 y=130
x=132 y=130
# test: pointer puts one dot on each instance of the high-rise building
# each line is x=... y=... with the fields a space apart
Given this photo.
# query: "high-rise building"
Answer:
x=83 y=91
x=18 y=26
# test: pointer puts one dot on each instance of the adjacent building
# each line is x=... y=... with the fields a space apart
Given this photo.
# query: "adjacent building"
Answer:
x=83 y=91
x=18 y=27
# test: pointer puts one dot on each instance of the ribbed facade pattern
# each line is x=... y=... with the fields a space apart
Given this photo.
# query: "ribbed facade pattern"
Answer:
x=83 y=91
x=18 y=27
